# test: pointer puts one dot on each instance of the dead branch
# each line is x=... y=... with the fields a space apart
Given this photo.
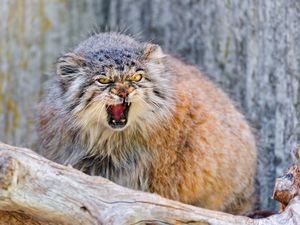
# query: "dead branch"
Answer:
x=34 y=190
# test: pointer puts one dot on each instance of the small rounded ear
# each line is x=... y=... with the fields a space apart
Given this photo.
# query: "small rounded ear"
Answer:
x=153 y=51
x=69 y=64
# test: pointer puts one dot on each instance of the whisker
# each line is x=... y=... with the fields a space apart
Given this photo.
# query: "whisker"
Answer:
x=153 y=103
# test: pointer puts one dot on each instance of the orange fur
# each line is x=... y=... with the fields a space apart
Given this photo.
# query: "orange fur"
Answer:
x=214 y=166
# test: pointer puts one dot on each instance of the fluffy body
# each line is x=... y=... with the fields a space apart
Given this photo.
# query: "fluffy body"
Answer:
x=184 y=138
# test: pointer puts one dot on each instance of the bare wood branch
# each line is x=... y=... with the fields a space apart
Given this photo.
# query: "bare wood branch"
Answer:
x=287 y=186
x=34 y=188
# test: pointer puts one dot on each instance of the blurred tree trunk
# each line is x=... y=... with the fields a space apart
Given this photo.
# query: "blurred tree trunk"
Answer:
x=251 y=48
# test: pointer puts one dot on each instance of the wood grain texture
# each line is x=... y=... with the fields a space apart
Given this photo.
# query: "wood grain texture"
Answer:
x=250 y=48
x=36 y=191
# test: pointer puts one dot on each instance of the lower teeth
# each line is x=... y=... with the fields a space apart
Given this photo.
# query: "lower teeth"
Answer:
x=122 y=120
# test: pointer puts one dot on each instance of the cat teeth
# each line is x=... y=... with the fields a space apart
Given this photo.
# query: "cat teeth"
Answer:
x=122 y=120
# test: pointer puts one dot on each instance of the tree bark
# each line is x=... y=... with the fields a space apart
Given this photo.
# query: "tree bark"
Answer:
x=36 y=191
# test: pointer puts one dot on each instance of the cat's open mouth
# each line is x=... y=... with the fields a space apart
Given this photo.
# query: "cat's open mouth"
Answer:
x=118 y=115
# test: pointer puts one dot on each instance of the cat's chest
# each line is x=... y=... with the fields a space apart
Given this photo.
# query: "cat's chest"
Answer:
x=128 y=166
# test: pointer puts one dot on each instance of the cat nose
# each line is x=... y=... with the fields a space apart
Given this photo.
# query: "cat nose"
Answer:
x=123 y=94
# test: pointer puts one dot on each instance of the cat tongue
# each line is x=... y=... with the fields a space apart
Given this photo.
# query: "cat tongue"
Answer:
x=117 y=110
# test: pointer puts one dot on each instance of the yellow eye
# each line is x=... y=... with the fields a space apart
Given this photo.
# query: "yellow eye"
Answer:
x=104 y=80
x=136 y=77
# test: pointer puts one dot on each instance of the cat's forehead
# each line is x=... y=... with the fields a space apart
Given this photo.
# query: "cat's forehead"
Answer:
x=115 y=61
x=114 y=54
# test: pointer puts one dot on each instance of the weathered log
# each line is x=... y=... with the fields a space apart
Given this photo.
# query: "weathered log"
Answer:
x=288 y=186
x=34 y=190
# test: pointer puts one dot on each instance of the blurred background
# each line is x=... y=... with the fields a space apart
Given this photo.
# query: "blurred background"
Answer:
x=251 y=48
